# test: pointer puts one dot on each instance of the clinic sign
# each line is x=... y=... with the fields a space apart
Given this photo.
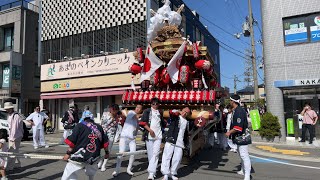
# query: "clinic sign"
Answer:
x=87 y=67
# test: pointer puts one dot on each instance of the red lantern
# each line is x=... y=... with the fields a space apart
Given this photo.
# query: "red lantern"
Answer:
x=168 y=96
x=192 y=96
x=180 y=96
x=135 y=96
x=186 y=97
x=196 y=84
x=135 y=68
x=165 y=77
x=140 y=96
x=151 y=95
x=146 y=96
x=162 y=96
x=157 y=94
x=198 y=96
x=195 y=50
x=154 y=78
x=140 y=54
x=205 y=96
x=202 y=64
x=174 y=97
x=184 y=74
x=125 y=96
x=212 y=96
x=200 y=121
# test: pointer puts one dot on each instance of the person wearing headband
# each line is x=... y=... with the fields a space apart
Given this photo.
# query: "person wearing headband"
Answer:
x=238 y=128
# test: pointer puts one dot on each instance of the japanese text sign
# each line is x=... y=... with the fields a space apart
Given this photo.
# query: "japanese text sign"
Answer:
x=87 y=67
x=255 y=119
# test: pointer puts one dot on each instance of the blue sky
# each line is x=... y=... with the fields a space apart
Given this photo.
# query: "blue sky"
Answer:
x=229 y=15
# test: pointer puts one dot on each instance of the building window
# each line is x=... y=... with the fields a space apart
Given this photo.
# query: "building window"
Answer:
x=6 y=38
x=301 y=29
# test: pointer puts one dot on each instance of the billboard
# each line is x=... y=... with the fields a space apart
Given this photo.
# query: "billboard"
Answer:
x=102 y=65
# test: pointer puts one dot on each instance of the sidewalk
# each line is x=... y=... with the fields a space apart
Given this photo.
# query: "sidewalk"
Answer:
x=290 y=151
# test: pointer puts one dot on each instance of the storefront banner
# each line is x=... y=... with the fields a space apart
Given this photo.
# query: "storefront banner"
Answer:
x=5 y=75
x=255 y=119
x=297 y=82
x=290 y=126
x=87 y=67
x=114 y=80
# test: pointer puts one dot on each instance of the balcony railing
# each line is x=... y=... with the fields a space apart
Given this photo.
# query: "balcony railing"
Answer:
x=22 y=4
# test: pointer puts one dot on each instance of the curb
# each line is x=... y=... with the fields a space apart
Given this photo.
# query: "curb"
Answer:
x=315 y=145
x=253 y=150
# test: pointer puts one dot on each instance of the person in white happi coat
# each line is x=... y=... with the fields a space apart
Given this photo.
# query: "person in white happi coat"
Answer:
x=37 y=119
x=153 y=123
x=173 y=149
x=233 y=147
x=128 y=136
x=109 y=124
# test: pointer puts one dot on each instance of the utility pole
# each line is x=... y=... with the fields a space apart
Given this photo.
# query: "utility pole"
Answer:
x=235 y=80
x=253 y=56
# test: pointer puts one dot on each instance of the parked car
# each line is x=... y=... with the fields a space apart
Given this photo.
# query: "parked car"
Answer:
x=26 y=125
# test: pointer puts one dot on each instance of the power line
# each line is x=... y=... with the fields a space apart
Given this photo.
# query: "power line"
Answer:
x=231 y=47
x=237 y=4
x=222 y=29
x=238 y=11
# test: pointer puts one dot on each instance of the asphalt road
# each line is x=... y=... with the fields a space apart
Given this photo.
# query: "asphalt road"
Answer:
x=211 y=164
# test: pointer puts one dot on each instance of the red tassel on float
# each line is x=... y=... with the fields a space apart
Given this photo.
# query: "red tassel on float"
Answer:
x=140 y=96
x=168 y=96
x=180 y=96
x=174 y=97
x=186 y=97
x=165 y=77
x=135 y=96
x=140 y=54
x=130 y=96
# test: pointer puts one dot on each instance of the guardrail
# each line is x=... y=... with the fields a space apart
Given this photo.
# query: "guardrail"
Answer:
x=20 y=3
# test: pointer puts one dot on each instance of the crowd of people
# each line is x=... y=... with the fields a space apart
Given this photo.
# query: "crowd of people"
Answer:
x=86 y=137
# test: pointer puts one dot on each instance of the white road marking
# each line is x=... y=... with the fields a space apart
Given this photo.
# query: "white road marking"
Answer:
x=289 y=164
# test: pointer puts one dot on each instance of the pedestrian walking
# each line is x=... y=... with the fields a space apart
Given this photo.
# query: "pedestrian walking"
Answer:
x=153 y=123
x=37 y=119
x=109 y=124
x=128 y=137
x=69 y=121
x=175 y=143
x=15 y=123
x=310 y=119
x=86 y=112
x=233 y=147
x=119 y=128
x=85 y=143
x=238 y=128
x=4 y=148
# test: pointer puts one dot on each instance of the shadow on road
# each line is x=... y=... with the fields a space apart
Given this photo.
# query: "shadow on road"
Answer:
x=216 y=159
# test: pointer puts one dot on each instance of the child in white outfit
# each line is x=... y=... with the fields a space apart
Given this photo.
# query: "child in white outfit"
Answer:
x=4 y=148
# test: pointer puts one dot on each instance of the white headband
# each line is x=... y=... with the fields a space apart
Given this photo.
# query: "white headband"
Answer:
x=237 y=101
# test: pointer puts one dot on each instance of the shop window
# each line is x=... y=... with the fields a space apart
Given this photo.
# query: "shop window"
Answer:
x=6 y=38
x=301 y=29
